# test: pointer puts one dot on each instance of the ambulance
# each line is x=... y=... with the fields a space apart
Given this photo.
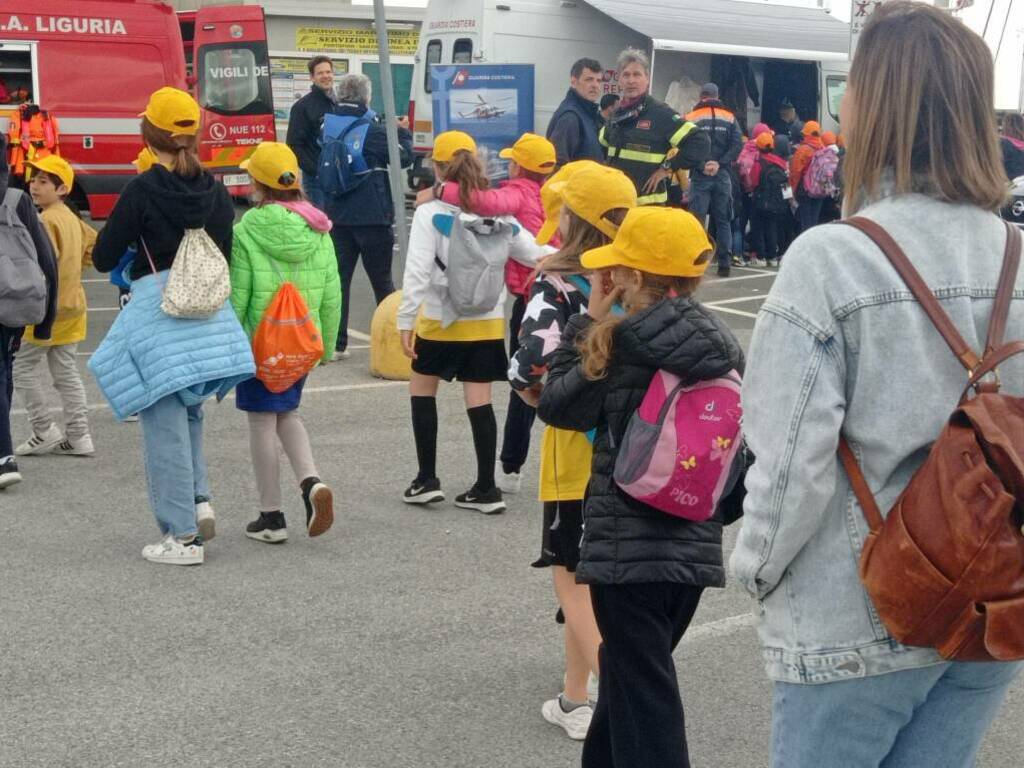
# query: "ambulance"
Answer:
x=89 y=67
x=759 y=54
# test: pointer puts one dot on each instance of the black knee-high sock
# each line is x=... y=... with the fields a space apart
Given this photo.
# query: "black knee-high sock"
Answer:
x=424 y=429
x=485 y=442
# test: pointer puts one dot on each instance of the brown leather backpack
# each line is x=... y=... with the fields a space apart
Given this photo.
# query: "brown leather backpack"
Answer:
x=945 y=568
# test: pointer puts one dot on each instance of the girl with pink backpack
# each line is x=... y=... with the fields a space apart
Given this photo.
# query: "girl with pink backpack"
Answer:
x=646 y=562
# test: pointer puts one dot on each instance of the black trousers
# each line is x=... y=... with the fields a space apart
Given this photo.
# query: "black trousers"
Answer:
x=515 y=443
x=638 y=722
x=764 y=235
x=376 y=245
x=10 y=341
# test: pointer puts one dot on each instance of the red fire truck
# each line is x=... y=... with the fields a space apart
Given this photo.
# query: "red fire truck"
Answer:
x=92 y=65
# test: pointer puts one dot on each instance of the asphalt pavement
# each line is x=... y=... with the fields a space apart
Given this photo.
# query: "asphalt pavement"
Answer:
x=403 y=638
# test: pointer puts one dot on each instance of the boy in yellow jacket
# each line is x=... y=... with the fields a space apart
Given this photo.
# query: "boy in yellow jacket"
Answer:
x=73 y=241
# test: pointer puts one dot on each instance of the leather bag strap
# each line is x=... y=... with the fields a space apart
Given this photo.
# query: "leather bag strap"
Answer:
x=1004 y=293
x=942 y=322
x=860 y=486
x=990 y=363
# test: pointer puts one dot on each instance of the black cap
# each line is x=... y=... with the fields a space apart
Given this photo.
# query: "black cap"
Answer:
x=786 y=103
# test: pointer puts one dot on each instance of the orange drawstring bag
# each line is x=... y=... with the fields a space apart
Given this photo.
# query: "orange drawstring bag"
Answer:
x=287 y=344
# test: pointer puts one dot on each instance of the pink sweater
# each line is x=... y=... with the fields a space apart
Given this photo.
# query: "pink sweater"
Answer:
x=517 y=197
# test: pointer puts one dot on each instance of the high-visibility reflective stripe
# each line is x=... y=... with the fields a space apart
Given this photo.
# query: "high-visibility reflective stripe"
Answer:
x=682 y=133
x=655 y=158
x=107 y=126
x=657 y=197
x=229 y=156
x=601 y=139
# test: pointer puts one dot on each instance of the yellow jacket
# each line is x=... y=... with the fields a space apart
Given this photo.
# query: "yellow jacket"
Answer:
x=73 y=241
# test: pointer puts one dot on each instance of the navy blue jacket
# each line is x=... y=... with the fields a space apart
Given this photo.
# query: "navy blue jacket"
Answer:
x=573 y=130
x=370 y=203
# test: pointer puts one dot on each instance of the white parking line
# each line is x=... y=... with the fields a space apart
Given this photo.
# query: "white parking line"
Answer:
x=728 y=311
x=759 y=276
x=720 y=628
x=737 y=300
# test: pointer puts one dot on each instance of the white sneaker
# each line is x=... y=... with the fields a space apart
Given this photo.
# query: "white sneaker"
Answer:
x=508 y=482
x=170 y=551
x=205 y=520
x=758 y=263
x=40 y=444
x=131 y=419
x=773 y=263
x=81 y=446
x=340 y=355
x=575 y=723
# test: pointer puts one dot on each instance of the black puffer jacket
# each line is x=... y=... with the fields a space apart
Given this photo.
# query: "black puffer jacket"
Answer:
x=624 y=540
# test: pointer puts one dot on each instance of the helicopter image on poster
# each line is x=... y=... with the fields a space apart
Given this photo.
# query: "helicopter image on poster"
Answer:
x=482 y=109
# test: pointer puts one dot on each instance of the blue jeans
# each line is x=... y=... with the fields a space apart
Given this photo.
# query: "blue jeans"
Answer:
x=930 y=716
x=312 y=190
x=172 y=435
x=713 y=194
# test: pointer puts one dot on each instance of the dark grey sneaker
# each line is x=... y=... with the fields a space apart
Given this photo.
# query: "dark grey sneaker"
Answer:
x=423 y=492
x=268 y=527
x=486 y=502
x=9 y=474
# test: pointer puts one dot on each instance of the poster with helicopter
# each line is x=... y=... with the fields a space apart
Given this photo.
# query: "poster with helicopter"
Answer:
x=493 y=103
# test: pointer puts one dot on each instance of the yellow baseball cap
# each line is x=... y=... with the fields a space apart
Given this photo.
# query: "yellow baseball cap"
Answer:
x=448 y=143
x=273 y=164
x=593 y=191
x=551 y=198
x=532 y=152
x=661 y=241
x=56 y=165
x=174 y=111
x=145 y=160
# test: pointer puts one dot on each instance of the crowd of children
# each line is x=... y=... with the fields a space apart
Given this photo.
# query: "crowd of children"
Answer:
x=604 y=313
x=780 y=191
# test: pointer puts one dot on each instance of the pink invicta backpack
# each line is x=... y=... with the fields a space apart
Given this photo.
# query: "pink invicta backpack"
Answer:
x=678 y=452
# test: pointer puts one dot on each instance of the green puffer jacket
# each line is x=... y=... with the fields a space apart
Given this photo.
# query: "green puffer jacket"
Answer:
x=301 y=248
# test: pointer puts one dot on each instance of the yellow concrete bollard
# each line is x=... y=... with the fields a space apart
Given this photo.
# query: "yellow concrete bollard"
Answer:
x=387 y=361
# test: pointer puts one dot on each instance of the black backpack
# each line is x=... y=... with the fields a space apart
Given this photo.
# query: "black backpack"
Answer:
x=768 y=197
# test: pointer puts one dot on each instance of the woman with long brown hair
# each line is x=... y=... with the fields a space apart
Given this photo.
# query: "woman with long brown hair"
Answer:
x=646 y=569
x=470 y=349
x=595 y=200
x=842 y=348
x=159 y=366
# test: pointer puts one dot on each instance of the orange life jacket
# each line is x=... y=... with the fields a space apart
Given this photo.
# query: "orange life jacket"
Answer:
x=32 y=137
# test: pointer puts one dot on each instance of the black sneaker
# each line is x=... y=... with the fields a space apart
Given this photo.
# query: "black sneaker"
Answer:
x=423 y=492
x=487 y=502
x=723 y=271
x=268 y=527
x=319 y=503
x=9 y=474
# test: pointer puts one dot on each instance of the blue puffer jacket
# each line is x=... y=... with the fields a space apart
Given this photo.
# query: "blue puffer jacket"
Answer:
x=148 y=355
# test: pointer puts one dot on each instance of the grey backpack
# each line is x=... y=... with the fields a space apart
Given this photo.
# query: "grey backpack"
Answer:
x=475 y=271
x=22 y=282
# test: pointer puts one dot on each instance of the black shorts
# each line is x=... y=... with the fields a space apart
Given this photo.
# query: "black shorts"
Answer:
x=473 y=361
x=563 y=531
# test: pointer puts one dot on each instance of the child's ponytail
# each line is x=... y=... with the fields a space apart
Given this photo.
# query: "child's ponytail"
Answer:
x=466 y=170
x=183 y=148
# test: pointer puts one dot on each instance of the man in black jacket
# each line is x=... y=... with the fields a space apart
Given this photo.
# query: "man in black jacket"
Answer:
x=364 y=217
x=645 y=138
x=574 y=125
x=305 y=121
x=10 y=338
x=710 y=184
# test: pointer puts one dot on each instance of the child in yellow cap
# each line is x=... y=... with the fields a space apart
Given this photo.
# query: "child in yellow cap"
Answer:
x=531 y=161
x=594 y=201
x=283 y=237
x=646 y=570
x=470 y=348
x=179 y=366
x=73 y=242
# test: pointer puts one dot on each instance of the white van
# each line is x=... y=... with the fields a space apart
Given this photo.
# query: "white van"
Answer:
x=761 y=53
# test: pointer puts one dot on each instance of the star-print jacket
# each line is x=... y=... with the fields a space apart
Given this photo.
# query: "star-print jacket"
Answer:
x=553 y=300
x=624 y=540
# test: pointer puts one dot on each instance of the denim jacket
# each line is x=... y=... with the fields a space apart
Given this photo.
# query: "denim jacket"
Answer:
x=841 y=345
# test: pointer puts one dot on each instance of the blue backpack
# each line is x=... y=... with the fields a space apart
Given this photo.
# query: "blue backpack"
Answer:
x=342 y=165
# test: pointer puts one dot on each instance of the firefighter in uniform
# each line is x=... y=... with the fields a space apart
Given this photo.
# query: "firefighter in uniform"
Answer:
x=643 y=131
